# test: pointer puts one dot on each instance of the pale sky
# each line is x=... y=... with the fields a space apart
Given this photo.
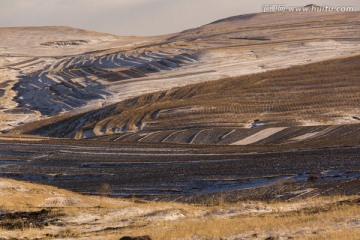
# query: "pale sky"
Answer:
x=136 y=17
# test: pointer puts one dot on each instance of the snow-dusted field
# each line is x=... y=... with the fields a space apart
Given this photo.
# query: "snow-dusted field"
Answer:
x=50 y=70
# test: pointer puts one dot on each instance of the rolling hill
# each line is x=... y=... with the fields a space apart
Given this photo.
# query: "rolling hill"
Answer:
x=43 y=73
x=314 y=102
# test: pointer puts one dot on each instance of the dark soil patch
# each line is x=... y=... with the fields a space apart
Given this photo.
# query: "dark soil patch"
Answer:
x=21 y=220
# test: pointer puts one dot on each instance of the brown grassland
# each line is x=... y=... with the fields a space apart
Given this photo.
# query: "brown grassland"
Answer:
x=99 y=217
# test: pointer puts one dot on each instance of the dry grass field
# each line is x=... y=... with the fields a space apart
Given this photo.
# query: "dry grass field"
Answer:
x=60 y=214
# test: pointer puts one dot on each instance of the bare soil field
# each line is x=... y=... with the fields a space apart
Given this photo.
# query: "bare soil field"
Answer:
x=188 y=174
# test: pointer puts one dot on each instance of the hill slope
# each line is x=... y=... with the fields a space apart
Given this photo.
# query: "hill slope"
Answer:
x=69 y=78
x=56 y=41
x=297 y=104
